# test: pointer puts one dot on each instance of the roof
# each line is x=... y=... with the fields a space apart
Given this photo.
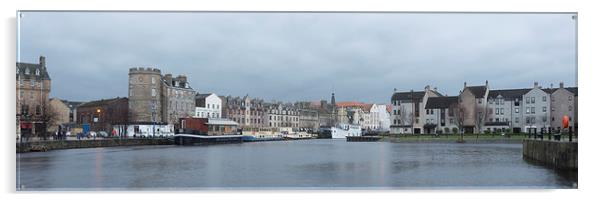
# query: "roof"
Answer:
x=364 y=106
x=22 y=68
x=440 y=102
x=573 y=90
x=509 y=94
x=102 y=102
x=203 y=95
x=416 y=95
x=220 y=121
x=72 y=104
x=478 y=91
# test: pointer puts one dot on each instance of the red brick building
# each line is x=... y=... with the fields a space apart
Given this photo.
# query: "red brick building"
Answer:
x=101 y=115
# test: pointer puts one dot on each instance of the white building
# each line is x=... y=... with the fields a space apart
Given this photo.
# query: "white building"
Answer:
x=536 y=106
x=145 y=130
x=208 y=106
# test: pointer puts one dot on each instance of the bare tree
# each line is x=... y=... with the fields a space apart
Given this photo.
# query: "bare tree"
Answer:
x=459 y=112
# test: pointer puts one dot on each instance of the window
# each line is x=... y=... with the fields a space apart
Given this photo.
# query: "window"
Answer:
x=533 y=100
x=516 y=110
x=38 y=110
x=570 y=108
x=37 y=72
x=154 y=93
x=543 y=98
x=543 y=109
x=27 y=71
x=497 y=102
x=528 y=110
x=528 y=101
x=33 y=83
x=532 y=110
x=480 y=100
x=552 y=108
x=570 y=98
x=153 y=80
x=516 y=120
x=497 y=111
x=502 y=111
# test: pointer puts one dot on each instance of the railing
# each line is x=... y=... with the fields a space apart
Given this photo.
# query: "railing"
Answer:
x=553 y=136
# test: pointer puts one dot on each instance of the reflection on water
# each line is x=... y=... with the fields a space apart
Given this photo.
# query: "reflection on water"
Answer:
x=292 y=164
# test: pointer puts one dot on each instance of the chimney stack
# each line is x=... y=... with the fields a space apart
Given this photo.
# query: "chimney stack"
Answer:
x=535 y=84
x=169 y=79
x=464 y=84
x=43 y=61
x=487 y=83
x=394 y=89
x=427 y=88
x=561 y=84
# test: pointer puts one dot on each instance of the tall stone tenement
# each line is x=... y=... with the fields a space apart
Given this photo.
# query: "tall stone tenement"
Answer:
x=144 y=95
x=159 y=98
x=33 y=87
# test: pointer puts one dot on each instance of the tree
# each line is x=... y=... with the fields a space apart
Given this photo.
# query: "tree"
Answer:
x=48 y=117
x=458 y=110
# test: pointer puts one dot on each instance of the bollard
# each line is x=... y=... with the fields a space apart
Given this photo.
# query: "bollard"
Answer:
x=570 y=134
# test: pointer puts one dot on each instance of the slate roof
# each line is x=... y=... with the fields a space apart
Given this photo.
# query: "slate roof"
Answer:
x=478 y=91
x=440 y=102
x=23 y=67
x=509 y=94
x=416 y=95
x=101 y=102
x=71 y=104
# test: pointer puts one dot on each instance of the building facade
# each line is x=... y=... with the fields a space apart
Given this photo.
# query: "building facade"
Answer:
x=208 y=106
x=103 y=115
x=159 y=99
x=281 y=115
x=33 y=87
x=441 y=115
x=472 y=105
x=246 y=111
x=409 y=109
x=536 y=106
x=178 y=99
x=562 y=103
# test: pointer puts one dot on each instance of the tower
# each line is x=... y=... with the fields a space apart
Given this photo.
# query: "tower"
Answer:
x=144 y=95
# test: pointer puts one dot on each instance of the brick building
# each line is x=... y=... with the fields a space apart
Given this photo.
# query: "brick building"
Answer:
x=103 y=114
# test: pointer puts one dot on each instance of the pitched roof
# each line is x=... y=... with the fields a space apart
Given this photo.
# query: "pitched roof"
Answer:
x=416 y=95
x=509 y=94
x=573 y=90
x=203 y=95
x=440 y=102
x=101 y=102
x=23 y=68
x=478 y=91
x=72 y=104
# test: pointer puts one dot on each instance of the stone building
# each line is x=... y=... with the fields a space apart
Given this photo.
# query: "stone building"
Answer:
x=208 y=106
x=159 y=99
x=505 y=110
x=536 y=106
x=33 y=88
x=281 y=115
x=178 y=99
x=246 y=111
x=145 y=95
x=409 y=109
x=308 y=116
x=441 y=115
x=65 y=113
x=102 y=115
x=472 y=108
x=562 y=103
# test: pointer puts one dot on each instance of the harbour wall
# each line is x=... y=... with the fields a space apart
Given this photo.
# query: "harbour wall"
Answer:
x=556 y=154
x=74 y=144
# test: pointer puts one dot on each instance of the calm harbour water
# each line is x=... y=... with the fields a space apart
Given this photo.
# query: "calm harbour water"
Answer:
x=321 y=164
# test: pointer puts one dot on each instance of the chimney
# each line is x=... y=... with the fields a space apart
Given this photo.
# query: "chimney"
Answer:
x=464 y=84
x=43 y=61
x=561 y=84
x=169 y=79
x=427 y=88
x=435 y=89
x=394 y=89
x=535 y=84
x=487 y=83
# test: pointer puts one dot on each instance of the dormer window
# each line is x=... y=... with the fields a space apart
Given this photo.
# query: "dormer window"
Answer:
x=37 y=72
x=27 y=71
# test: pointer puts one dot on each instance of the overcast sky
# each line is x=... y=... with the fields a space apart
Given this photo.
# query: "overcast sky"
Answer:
x=300 y=56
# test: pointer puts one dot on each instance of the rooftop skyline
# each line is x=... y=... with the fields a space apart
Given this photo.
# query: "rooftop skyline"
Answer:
x=300 y=56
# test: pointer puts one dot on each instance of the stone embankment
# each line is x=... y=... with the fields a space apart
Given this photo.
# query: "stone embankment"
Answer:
x=557 y=154
x=74 y=144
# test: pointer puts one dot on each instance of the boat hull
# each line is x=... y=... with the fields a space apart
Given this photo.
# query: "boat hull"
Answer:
x=191 y=139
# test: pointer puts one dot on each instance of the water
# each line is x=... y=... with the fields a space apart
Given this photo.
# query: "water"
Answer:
x=321 y=164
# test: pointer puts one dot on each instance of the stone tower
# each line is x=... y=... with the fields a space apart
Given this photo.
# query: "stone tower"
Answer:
x=144 y=95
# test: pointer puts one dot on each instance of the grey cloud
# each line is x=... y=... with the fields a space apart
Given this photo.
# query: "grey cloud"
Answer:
x=300 y=56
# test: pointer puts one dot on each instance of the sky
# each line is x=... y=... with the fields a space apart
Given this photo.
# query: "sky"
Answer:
x=300 y=56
